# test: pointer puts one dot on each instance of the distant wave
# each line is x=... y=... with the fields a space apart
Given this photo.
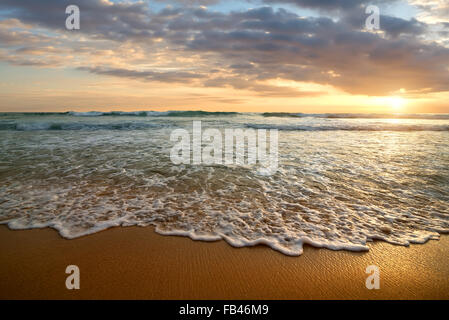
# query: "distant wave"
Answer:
x=332 y=189
x=198 y=113
x=151 y=113
x=61 y=126
x=367 y=127
x=430 y=116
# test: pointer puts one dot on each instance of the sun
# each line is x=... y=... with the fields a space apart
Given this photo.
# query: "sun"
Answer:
x=389 y=104
x=396 y=103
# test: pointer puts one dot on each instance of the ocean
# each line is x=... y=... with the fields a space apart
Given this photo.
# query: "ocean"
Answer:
x=342 y=180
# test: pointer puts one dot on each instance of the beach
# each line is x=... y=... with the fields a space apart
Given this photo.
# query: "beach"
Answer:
x=191 y=150
x=137 y=263
x=333 y=182
x=104 y=192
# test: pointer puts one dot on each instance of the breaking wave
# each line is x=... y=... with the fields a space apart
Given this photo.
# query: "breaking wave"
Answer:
x=152 y=113
x=62 y=126
x=428 y=116
x=349 y=127
x=201 y=113
x=335 y=188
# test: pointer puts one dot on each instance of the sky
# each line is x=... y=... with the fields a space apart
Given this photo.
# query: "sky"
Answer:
x=311 y=56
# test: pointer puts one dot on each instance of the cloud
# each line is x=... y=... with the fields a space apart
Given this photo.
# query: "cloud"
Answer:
x=100 y=18
x=240 y=49
x=432 y=11
x=192 y=2
x=279 y=44
x=330 y=4
x=171 y=76
x=392 y=26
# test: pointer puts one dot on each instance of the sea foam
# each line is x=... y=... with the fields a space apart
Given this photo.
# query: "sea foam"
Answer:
x=336 y=189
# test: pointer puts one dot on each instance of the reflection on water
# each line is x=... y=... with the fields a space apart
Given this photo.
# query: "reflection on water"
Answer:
x=340 y=182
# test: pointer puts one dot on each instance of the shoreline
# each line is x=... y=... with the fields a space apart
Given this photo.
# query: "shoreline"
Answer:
x=138 y=263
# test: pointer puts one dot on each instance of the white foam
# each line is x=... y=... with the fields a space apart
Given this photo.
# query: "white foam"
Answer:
x=337 y=191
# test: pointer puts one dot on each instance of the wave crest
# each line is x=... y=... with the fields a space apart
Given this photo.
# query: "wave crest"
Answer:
x=428 y=116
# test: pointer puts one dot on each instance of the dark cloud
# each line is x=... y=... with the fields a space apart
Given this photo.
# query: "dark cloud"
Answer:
x=282 y=45
x=330 y=4
x=241 y=49
x=170 y=76
x=397 y=26
x=192 y=2
x=392 y=26
x=102 y=19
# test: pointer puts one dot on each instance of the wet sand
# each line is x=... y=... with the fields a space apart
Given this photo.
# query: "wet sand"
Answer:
x=137 y=263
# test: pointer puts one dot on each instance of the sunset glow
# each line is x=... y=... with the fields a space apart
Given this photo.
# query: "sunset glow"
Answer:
x=213 y=55
x=263 y=150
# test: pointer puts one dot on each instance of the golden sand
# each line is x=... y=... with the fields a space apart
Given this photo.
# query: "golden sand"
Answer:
x=137 y=263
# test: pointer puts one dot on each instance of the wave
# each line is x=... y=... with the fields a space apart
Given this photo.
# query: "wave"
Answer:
x=190 y=113
x=201 y=113
x=377 y=127
x=428 y=116
x=116 y=113
x=62 y=126
x=152 y=113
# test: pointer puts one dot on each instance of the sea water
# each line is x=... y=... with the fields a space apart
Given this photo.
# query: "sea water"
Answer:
x=342 y=179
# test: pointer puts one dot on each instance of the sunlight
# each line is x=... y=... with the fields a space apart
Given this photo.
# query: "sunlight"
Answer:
x=397 y=103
